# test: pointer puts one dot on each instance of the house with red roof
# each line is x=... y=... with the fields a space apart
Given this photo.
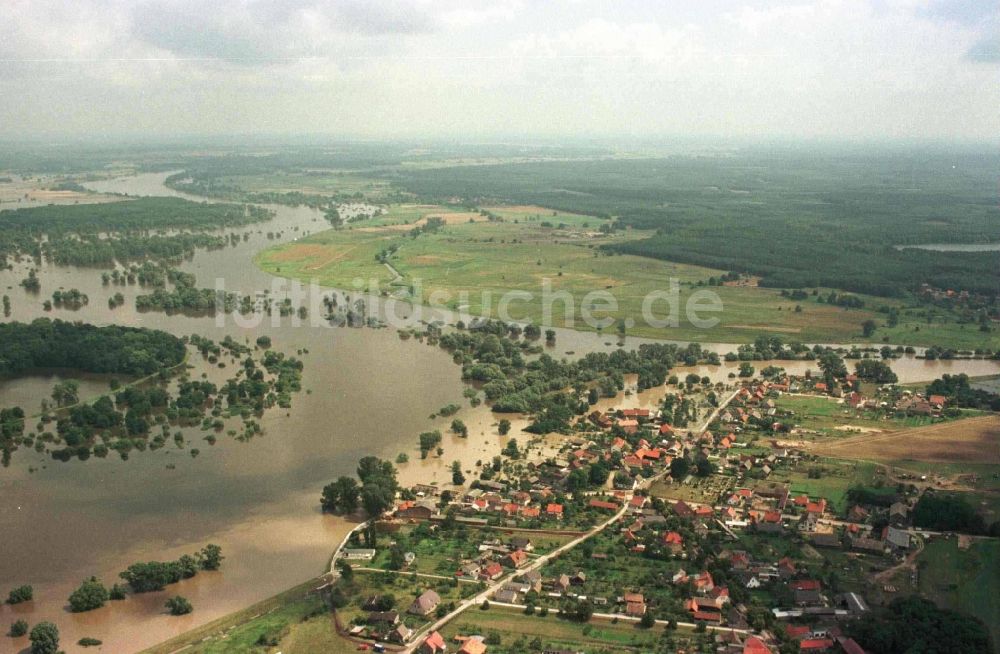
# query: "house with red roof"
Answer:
x=554 y=510
x=798 y=631
x=703 y=610
x=491 y=572
x=682 y=509
x=815 y=645
x=633 y=461
x=816 y=507
x=434 y=644
x=806 y=584
x=515 y=559
x=772 y=517
x=706 y=616
x=755 y=645
x=703 y=582
x=674 y=541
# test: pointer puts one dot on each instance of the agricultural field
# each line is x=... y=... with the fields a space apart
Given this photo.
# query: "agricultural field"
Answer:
x=973 y=440
x=964 y=578
x=820 y=418
x=474 y=262
x=519 y=633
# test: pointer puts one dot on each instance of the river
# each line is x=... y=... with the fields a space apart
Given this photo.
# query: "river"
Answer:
x=366 y=391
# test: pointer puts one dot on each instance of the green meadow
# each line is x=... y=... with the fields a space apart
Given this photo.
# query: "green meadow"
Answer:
x=475 y=263
x=964 y=580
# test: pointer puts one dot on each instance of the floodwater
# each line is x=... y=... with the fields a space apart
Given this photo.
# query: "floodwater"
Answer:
x=366 y=391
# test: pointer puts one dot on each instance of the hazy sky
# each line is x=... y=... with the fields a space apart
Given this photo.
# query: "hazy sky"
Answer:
x=369 y=68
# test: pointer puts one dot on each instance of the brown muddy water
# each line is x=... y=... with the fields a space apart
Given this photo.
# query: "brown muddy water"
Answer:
x=366 y=391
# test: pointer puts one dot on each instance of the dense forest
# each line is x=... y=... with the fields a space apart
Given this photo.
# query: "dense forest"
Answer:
x=913 y=625
x=45 y=343
x=796 y=219
x=100 y=234
x=950 y=512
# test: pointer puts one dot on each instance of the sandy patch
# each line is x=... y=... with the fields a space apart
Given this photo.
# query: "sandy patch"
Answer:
x=858 y=430
x=773 y=328
x=403 y=227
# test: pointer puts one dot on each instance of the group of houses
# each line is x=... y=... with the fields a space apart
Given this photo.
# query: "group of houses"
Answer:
x=637 y=443
x=382 y=621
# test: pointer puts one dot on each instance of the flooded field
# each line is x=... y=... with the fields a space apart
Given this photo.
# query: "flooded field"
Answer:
x=366 y=391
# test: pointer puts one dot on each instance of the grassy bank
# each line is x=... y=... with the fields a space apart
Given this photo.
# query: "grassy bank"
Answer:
x=239 y=632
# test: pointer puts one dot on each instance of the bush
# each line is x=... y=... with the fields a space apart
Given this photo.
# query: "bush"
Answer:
x=179 y=605
x=44 y=638
x=18 y=628
x=89 y=596
x=20 y=594
x=88 y=642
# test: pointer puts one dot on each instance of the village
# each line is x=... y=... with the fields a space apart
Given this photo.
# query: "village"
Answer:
x=708 y=531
